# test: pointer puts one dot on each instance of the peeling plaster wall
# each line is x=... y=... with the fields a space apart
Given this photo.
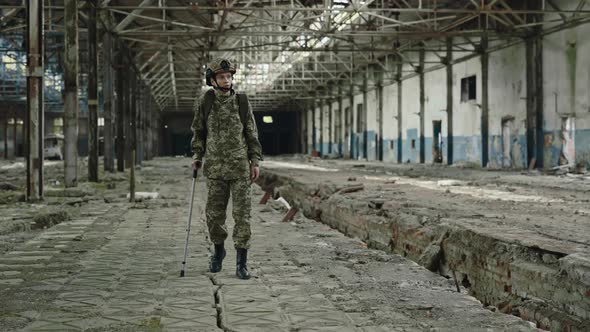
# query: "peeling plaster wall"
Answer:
x=467 y=114
x=566 y=84
x=411 y=120
x=566 y=92
x=435 y=105
x=372 y=125
x=390 y=123
x=507 y=99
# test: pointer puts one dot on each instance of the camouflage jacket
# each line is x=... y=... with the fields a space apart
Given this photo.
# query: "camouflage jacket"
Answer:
x=228 y=148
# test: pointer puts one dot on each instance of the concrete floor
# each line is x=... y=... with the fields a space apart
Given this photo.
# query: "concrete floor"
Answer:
x=114 y=266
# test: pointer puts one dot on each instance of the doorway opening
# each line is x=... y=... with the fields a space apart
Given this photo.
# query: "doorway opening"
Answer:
x=437 y=142
x=507 y=124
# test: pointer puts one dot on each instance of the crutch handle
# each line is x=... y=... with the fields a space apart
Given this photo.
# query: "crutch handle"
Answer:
x=195 y=170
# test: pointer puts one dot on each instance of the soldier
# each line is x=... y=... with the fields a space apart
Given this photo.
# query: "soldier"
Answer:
x=224 y=131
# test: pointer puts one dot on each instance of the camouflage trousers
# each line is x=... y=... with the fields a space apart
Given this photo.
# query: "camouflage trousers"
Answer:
x=218 y=196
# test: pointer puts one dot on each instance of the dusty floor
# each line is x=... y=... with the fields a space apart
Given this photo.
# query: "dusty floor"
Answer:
x=111 y=265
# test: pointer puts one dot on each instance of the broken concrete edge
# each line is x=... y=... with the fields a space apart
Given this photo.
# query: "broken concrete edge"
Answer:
x=41 y=220
x=510 y=276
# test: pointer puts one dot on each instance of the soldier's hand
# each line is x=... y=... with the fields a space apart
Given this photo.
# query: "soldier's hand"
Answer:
x=254 y=173
x=196 y=164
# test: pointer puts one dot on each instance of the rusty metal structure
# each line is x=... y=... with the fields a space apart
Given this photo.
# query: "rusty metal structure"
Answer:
x=290 y=54
x=288 y=50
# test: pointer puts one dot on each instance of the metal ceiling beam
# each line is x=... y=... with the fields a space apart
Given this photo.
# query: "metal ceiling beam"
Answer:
x=133 y=15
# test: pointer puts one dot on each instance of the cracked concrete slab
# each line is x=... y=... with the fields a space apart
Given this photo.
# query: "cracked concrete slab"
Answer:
x=115 y=267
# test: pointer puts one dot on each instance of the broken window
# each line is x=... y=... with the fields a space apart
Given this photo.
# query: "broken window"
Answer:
x=413 y=144
x=468 y=88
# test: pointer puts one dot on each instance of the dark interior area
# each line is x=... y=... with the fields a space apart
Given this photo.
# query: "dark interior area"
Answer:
x=279 y=136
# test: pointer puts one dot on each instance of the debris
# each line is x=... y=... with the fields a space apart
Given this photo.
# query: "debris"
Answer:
x=48 y=219
x=145 y=195
x=376 y=203
x=351 y=189
x=449 y=183
x=8 y=186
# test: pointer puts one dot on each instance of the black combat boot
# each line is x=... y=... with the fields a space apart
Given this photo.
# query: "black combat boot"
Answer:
x=241 y=264
x=217 y=258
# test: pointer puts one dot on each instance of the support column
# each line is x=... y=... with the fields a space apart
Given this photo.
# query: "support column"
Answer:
x=422 y=110
x=364 y=123
x=33 y=124
x=5 y=136
x=71 y=93
x=132 y=129
x=92 y=93
x=304 y=126
x=399 y=110
x=155 y=127
x=380 y=120
x=14 y=134
x=539 y=109
x=121 y=98
x=321 y=147
x=484 y=101
x=139 y=122
x=109 y=102
x=330 y=127
x=449 y=67
x=313 y=127
x=340 y=123
x=351 y=123
x=127 y=112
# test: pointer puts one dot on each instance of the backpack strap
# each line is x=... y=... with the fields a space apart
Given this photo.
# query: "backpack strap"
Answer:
x=243 y=105
x=208 y=100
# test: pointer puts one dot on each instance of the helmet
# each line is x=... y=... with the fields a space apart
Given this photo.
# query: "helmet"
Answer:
x=218 y=66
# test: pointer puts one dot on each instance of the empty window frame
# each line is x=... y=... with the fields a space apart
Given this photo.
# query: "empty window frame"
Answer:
x=468 y=88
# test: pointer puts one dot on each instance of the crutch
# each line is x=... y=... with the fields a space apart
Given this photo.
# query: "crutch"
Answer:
x=188 y=225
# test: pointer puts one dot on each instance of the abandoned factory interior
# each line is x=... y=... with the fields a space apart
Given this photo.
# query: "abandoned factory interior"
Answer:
x=295 y=165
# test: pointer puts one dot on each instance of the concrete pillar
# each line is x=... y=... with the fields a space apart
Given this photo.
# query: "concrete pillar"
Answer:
x=109 y=102
x=351 y=122
x=33 y=125
x=321 y=141
x=539 y=109
x=303 y=132
x=330 y=127
x=449 y=68
x=534 y=100
x=364 y=118
x=127 y=111
x=340 y=119
x=92 y=93
x=380 y=120
x=422 y=107
x=138 y=122
x=5 y=136
x=120 y=111
x=399 y=110
x=313 y=127
x=484 y=101
x=157 y=117
x=134 y=90
x=71 y=93
x=14 y=130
